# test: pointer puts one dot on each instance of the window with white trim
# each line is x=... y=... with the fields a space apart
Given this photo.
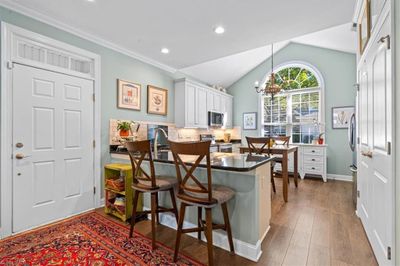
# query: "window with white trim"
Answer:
x=296 y=110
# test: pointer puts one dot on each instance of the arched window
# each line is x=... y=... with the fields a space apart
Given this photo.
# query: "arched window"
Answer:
x=297 y=110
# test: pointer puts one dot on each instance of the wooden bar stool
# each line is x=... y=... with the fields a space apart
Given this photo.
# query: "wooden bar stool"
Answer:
x=263 y=147
x=149 y=183
x=201 y=195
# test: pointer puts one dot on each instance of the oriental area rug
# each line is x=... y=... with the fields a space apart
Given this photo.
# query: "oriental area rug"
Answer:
x=88 y=239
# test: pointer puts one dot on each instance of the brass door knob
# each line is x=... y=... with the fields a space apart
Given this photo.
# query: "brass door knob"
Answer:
x=21 y=156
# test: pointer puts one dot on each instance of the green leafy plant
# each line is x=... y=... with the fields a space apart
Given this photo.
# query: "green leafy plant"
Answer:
x=321 y=135
x=124 y=125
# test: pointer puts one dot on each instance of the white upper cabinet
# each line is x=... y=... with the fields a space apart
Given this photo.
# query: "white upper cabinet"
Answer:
x=201 y=108
x=193 y=101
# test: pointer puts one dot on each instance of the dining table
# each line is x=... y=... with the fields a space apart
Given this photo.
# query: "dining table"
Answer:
x=284 y=151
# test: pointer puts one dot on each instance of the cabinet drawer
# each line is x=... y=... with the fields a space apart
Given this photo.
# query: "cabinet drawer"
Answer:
x=309 y=159
x=313 y=150
x=313 y=168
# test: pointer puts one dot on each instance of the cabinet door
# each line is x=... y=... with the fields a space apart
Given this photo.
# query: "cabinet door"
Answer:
x=201 y=107
x=190 y=102
x=375 y=175
x=210 y=101
x=217 y=102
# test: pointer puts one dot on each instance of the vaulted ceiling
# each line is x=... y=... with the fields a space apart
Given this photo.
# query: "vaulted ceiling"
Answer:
x=142 y=28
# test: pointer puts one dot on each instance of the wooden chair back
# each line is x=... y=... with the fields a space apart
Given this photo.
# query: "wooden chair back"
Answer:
x=188 y=183
x=138 y=150
x=264 y=144
x=284 y=139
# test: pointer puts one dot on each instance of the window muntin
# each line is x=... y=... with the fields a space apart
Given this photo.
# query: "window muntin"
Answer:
x=296 y=111
x=293 y=78
x=275 y=111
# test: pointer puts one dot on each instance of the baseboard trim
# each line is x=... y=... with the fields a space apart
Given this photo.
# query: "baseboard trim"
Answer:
x=347 y=178
x=243 y=249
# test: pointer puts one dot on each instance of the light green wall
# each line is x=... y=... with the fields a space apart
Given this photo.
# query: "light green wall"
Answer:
x=338 y=70
x=114 y=65
x=396 y=13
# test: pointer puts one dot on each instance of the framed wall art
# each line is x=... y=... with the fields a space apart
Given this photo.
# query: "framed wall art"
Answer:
x=157 y=100
x=341 y=116
x=129 y=94
x=364 y=26
x=250 y=121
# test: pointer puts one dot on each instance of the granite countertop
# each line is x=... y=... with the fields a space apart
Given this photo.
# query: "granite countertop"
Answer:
x=223 y=161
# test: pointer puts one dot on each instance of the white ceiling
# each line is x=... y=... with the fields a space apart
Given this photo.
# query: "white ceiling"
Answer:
x=186 y=27
x=225 y=71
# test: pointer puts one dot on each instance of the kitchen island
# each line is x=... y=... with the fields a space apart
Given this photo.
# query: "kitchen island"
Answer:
x=249 y=210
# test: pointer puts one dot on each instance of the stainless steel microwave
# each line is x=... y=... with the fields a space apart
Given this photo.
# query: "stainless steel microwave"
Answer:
x=215 y=119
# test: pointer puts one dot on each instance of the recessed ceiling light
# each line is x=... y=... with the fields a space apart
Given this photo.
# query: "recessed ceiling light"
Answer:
x=91 y=0
x=219 y=30
x=165 y=50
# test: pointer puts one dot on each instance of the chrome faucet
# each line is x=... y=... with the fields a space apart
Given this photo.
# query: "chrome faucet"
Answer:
x=157 y=130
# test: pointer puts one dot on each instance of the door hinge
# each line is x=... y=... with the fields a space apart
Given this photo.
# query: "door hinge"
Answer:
x=94 y=190
x=358 y=140
x=94 y=144
x=94 y=97
x=358 y=193
x=389 y=148
x=10 y=65
x=357 y=86
x=389 y=253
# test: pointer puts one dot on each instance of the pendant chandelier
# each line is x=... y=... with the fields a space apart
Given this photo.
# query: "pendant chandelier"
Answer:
x=271 y=88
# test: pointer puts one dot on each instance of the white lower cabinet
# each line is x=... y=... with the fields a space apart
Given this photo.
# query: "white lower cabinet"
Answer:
x=311 y=160
x=193 y=101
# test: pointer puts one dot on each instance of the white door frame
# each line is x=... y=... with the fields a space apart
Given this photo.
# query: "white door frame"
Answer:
x=9 y=56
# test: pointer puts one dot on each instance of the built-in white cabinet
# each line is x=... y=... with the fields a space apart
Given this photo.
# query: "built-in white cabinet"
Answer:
x=194 y=100
x=376 y=152
x=311 y=160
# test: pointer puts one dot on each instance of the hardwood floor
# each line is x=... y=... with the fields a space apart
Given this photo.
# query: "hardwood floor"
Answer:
x=317 y=226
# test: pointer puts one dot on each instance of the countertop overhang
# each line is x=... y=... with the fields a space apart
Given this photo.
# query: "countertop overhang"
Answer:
x=223 y=161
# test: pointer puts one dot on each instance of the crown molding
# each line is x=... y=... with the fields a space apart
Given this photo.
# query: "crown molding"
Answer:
x=82 y=34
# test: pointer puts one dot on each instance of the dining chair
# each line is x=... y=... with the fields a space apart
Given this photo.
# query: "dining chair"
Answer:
x=283 y=140
x=144 y=182
x=193 y=192
x=262 y=145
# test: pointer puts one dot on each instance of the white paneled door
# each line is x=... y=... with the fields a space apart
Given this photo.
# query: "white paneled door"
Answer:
x=375 y=174
x=52 y=146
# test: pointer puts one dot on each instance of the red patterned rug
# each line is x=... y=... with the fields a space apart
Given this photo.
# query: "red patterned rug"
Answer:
x=89 y=239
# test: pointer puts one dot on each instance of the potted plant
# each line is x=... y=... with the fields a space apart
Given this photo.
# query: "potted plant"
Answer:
x=321 y=139
x=124 y=128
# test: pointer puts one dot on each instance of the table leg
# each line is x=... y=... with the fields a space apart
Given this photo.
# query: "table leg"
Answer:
x=296 y=170
x=285 y=175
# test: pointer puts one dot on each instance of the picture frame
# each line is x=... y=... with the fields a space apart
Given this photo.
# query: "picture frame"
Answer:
x=341 y=116
x=250 y=121
x=157 y=100
x=129 y=95
x=364 y=26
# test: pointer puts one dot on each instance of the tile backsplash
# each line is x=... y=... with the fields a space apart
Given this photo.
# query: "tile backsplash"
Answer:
x=175 y=134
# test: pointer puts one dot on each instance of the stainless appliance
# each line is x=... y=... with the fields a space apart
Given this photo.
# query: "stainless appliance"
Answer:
x=352 y=139
x=225 y=147
x=213 y=146
x=215 y=119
